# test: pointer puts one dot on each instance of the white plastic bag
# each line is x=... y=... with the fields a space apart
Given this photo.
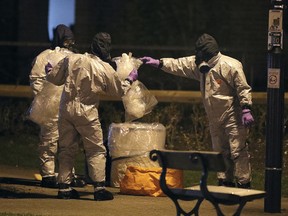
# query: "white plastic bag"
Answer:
x=45 y=106
x=138 y=101
x=125 y=64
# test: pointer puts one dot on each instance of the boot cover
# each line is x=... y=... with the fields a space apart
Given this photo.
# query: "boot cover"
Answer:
x=77 y=181
x=66 y=192
x=246 y=185
x=102 y=195
x=49 y=182
x=222 y=182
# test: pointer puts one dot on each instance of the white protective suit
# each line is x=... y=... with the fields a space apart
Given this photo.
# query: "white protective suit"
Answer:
x=224 y=91
x=85 y=77
x=48 y=132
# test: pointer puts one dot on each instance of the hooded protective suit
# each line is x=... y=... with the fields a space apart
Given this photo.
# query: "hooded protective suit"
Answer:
x=101 y=47
x=225 y=93
x=63 y=37
x=85 y=78
x=49 y=132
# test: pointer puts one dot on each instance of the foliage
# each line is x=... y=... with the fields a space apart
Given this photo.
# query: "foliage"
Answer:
x=186 y=129
x=13 y=117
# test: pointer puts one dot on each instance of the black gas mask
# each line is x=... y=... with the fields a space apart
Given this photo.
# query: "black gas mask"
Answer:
x=201 y=62
x=206 y=48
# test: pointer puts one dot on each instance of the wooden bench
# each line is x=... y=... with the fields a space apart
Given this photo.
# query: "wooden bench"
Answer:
x=205 y=162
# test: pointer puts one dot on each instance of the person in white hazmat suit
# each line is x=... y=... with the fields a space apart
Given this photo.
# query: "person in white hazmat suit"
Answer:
x=84 y=78
x=62 y=45
x=227 y=100
x=101 y=47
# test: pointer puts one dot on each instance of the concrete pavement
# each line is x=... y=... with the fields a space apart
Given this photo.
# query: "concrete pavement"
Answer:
x=32 y=199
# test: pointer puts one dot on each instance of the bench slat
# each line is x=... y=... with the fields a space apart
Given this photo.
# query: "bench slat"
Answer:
x=182 y=160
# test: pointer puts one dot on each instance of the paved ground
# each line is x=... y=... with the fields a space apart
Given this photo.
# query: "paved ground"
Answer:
x=22 y=198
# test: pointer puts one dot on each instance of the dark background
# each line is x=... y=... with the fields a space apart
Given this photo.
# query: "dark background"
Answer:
x=157 y=28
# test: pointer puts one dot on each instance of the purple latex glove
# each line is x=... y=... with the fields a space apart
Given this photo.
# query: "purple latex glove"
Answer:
x=48 y=68
x=133 y=75
x=150 y=61
x=247 y=118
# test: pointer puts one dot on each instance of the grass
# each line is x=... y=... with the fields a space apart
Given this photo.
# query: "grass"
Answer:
x=192 y=178
x=21 y=151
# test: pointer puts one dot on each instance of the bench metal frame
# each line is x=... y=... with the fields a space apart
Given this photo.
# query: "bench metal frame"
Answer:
x=204 y=161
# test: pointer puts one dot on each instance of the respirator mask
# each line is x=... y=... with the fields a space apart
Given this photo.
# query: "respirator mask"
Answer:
x=202 y=63
x=205 y=65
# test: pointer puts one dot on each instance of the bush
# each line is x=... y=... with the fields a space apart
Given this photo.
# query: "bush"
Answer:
x=13 y=117
x=186 y=128
x=186 y=124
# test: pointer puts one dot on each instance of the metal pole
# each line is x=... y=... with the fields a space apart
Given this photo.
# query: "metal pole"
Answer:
x=275 y=108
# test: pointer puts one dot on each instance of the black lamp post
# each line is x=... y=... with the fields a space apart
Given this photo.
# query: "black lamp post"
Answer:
x=275 y=107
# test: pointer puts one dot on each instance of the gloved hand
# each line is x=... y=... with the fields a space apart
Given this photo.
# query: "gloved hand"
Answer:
x=247 y=118
x=150 y=61
x=48 y=68
x=133 y=75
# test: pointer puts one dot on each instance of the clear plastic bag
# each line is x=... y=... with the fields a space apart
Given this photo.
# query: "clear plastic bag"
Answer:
x=45 y=106
x=125 y=64
x=138 y=101
x=129 y=144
